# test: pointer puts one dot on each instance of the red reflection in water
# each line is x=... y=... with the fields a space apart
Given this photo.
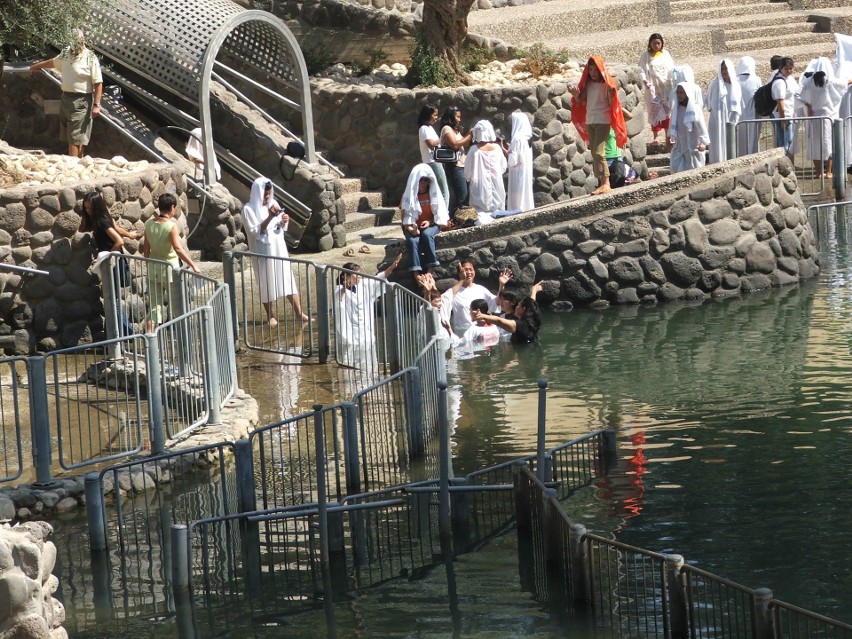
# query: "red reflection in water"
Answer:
x=625 y=492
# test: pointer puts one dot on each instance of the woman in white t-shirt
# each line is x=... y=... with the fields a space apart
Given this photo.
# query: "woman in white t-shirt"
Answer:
x=428 y=138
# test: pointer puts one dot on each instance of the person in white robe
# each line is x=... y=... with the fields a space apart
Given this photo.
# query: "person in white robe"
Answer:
x=724 y=100
x=656 y=65
x=195 y=152
x=484 y=168
x=821 y=97
x=355 y=299
x=843 y=69
x=520 y=161
x=684 y=73
x=266 y=222
x=750 y=82
x=688 y=132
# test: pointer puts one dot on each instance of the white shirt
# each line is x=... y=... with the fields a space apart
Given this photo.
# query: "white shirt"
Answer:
x=785 y=90
x=461 y=305
x=427 y=132
x=79 y=74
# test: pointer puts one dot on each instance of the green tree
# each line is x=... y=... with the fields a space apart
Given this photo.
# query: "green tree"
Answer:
x=35 y=23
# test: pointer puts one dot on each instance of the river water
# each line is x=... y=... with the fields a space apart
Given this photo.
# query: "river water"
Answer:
x=733 y=421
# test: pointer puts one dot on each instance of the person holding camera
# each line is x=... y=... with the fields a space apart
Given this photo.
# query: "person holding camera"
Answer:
x=452 y=136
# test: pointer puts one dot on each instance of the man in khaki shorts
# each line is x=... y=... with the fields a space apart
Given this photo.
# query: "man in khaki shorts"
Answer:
x=82 y=86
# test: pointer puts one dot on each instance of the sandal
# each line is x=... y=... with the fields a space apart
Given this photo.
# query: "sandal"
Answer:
x=364 y=249
x=349 y=252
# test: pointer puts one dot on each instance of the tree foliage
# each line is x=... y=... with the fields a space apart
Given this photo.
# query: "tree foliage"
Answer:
x=35 y=23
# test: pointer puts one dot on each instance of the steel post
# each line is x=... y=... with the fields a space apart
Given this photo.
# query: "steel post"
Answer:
x=542 y=429
x=460 y=515
x=322 y=514
x=416 y=423
x=579 y=561
x=444 y=523
x=352 y=458
x=393 y=326
x=40 y=419
x=678 y=611
x=95 y=512
x=112 y=304
x=231 y=329
x=762 y=620
x=244 y=463
x=230 y=277
x=323 y=314
x=211 y=366
x=155 y=394
x=524 y=527
x=838 y=154
x=180 y=565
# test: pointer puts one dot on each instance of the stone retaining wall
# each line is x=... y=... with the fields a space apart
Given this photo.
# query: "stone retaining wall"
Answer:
x=723 y=230
x=28 y=609
x=373 y=130
x=39 y=229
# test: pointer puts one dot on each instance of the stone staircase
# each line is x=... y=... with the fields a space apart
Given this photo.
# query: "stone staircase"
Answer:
x=659 y=163
x=366 y=217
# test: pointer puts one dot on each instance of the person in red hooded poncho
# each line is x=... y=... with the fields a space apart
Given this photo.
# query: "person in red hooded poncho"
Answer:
x=594 y=110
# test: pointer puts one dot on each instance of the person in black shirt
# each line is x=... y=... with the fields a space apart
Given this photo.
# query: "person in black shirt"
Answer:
x=526 y=323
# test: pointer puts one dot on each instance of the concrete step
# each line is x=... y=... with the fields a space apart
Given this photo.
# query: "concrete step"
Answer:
x=658 y=161
x=361 y=201
x=677 y=6
x=705 y=13
x=382 y=216
x=352 y=184
x=781 y=42
x=760 y=20
x=800 y=29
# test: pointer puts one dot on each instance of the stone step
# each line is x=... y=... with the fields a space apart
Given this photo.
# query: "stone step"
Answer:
x=361 y=201
x=677 y=6
x=782 y=42
x=382 y=216
x=705 y=13
x=351 y=184
x=658 y=161
x=760 y=20
x=800 y=29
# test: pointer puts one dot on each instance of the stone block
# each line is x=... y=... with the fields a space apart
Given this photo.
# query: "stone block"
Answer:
x=760 y=258
x=626 y=271
x=682 y=210
x=681 y=269
x=723 y=232
x=713 y=210
x=696 y=236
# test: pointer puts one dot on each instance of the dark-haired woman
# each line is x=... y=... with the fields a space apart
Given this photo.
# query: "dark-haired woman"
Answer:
x=429 y=140
x=451 y=135
x=657 y=65
x=525 y=324
x=107 y=237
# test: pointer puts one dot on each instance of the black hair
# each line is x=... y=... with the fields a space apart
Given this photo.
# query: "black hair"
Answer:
x=656 y=36
x=819 y=79
x=775 y=62
x=426 y=114
x=100 y=217
x=165 y=202
x=449 y=117
x=479 y=305
x=531 y=316
x=511 y=296
x=349 y=266
x=786 y=62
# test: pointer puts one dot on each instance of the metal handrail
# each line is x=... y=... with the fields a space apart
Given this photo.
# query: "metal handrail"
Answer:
x=23 y=269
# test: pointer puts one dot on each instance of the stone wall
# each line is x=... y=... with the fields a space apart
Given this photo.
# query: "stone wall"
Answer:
x=723 y=230
x=39 y=228
x=373 y=130
x=27 y=585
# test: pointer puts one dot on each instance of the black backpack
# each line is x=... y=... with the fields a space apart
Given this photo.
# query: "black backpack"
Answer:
x=764 y=105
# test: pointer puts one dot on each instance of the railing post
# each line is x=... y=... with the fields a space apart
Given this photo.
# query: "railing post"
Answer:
x=392 y=326
x=230 y=329
x=244 y=470
x=579 y=561
x=323 y=314
x=678 y=612
x=230 y=277
x=352 y=458
x=155 y=394
x=180 y=565
x=838 y=153
x=555 y=564
x=322 y=514
x=731 y=140
x=542 y=429
x=460 y=516
x=444 y=523
x=112 y=312
x=337 y=551
x=40 y=427
x=523 y=517
x=101 y=590
x=416 y=425
x=763 y=623
x=95 y=512
x=607 y=451
x=177 y=307
x=211 y=366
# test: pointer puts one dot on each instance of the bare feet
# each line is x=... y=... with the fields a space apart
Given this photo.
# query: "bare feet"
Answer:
x=273 y=322
x=603 y=188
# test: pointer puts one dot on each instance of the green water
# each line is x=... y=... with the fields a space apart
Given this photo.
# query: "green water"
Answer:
x=733 y=421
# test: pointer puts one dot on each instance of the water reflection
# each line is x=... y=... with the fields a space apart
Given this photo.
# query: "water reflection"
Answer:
x=733 y=420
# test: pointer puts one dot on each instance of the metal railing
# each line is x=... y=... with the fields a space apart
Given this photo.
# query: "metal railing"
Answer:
x=637 y=592
x=752 y=136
